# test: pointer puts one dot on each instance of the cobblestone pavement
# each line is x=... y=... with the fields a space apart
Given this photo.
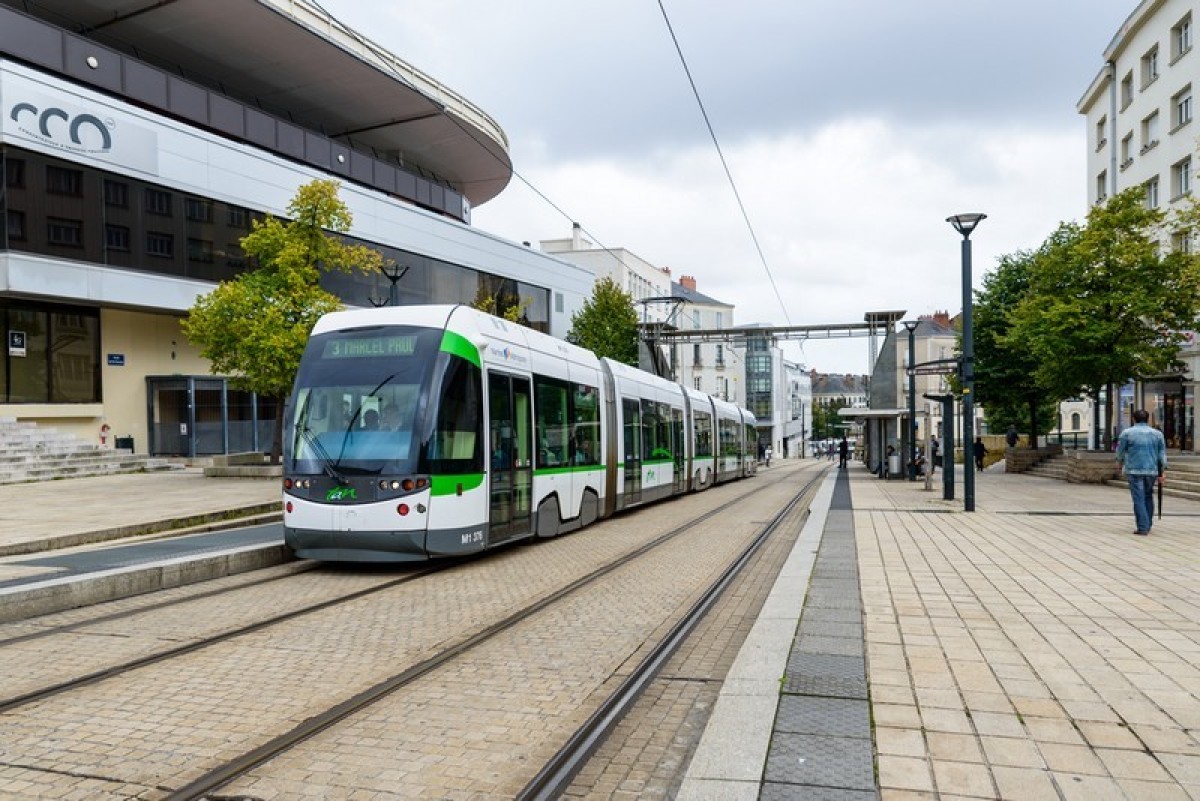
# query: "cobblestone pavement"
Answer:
x=1034 y=649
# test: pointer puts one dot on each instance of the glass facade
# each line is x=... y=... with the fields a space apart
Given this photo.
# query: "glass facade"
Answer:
x=62 y=210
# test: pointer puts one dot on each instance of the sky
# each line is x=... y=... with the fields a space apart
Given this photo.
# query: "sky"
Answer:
x=851 y=128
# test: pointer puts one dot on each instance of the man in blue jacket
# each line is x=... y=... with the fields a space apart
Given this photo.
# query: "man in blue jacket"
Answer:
x=1142 y=452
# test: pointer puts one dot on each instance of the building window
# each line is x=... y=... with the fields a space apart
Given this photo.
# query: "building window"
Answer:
x=62 y=354
x=1101 y=133
x=198 y=209
x=1126 y=90
x=160 y=244
x=1181 y=37
x=237 y=217
x=158 y=202
x=16 y=225
x=116 y=237
x=1152 y=193
x=1127 y=150
x=1181 y=241
x=720 y=355
x=1102 y=186
x=1074 y=421
x=64 y=233
x=200 y=250
x=696 y=382
x=14 y=173
x=1150 y=132
x=1181 y=178
x=696 y=358
x=62 y=181
x=1150 y=67
x=720 y=319
x=1181 y=108
x=116 y=193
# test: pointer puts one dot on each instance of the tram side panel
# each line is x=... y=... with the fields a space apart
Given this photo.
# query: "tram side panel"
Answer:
x=703 y=437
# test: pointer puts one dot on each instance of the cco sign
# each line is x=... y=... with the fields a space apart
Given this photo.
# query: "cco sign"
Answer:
x=70 y=124
x=59 y=128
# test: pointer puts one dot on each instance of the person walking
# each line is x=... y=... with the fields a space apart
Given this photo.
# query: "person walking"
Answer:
x=1142 y=454
x=935 y=451
x=1011 y=438
x=980 y=452
x=843 y=452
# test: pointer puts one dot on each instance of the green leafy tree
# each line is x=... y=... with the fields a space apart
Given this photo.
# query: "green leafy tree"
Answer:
x=607 y=324
x=254 y=327
x=1005 y=369
x=1107 y=304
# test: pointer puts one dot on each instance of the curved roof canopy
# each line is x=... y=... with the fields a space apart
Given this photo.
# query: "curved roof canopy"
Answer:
x=292 y=59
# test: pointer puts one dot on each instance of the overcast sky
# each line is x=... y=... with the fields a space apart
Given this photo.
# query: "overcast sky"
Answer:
x=852 y=129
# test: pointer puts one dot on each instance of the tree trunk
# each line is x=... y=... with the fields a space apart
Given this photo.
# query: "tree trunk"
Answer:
x=1033 y=422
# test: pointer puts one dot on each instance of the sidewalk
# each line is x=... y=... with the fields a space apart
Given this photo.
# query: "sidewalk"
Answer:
x=45 y=515
x=1033 y=649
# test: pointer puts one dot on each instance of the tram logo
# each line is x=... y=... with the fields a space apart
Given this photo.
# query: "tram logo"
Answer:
x=61 y=129
x=342 y=494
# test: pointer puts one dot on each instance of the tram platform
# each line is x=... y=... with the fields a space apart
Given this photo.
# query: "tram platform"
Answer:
x=85 y=540
x=1035 y=648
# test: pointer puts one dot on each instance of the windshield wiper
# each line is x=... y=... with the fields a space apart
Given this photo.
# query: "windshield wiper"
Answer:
x=323 y=455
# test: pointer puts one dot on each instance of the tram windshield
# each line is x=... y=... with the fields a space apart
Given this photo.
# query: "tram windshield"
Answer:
x=356 y=402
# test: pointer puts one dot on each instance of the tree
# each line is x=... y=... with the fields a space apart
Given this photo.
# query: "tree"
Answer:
x=254 y=327
x=1107 y=304
x=1005 y=369
x=607 y=323
x=495 y=301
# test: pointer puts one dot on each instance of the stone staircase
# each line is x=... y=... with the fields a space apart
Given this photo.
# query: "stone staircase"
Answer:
x=1182 y=480
x=32 y=453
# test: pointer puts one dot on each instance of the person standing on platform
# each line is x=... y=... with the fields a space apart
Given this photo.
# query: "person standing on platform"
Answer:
x=1142 y=454
x=843 y=452
x=980 y=452
x=935 y=451
x=1012 y=438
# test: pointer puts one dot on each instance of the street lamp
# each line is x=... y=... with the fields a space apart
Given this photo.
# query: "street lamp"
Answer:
x=965 y=224
x=911 y=327
x=393 y=273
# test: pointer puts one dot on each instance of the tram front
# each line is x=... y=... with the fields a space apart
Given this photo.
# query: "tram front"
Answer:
x=383 y=453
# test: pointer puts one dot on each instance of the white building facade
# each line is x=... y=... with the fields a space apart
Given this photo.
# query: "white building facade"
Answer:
x=1140 y=112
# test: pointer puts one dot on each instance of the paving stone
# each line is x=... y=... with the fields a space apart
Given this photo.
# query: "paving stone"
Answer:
x=840 y=762
x=836 y=646
x=824 y=629
x=827 y=666
x=773 y=791
x=833 y=717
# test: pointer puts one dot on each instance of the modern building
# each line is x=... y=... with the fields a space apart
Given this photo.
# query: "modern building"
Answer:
x=647 y=284
x=1139 y=110
x=138 y=144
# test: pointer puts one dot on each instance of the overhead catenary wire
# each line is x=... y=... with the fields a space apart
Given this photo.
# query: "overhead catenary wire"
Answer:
x=725 y=164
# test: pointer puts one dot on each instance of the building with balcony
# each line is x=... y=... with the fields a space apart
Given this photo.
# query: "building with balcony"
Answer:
x=138 y=144
x=1139 y=110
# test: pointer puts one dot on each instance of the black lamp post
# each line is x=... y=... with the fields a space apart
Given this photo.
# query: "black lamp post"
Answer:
x=911 y=327
x=393 y=273
x=965 y=224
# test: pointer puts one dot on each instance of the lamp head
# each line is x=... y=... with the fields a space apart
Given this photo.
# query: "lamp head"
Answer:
x=965 y=223
x=910 y=325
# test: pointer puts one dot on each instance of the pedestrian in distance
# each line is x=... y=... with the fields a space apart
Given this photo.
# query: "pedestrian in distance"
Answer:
x=1142 y=454
x=767 y=453
x=1011 y=437
x=843 y=452
x=935 y=450
x=980 y=452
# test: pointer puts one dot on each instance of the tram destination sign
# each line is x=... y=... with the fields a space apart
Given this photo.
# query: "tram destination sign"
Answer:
x=370 y=347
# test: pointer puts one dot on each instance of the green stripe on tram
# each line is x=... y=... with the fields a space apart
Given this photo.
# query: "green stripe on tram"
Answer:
x=449 y=484
x=581 y=468
x=458 y=345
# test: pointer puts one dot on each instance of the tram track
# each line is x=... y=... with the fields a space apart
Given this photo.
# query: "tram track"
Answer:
x=556 y=775
x=458 y=644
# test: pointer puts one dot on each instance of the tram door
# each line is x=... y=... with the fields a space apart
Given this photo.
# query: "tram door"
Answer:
x=677 y=449
x=510 y=456
x=631 y=410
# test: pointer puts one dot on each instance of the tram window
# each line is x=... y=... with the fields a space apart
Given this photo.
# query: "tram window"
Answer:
x=455 y=444
x=677 y=434
x=704 y=443
x=585 y=430
x=552 y=416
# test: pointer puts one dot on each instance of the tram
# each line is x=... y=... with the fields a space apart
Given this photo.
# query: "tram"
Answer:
x=416 y=432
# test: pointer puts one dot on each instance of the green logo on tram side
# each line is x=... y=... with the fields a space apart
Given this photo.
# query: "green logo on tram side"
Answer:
x=342 y=494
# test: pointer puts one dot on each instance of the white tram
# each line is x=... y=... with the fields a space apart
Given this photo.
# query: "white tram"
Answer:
x=423 y=431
